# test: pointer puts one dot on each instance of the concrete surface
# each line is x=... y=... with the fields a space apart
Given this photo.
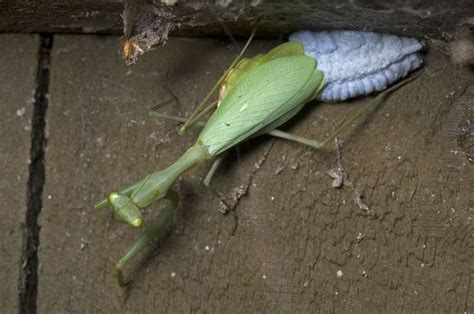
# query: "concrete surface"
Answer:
x=17 y=85
x=293 y=243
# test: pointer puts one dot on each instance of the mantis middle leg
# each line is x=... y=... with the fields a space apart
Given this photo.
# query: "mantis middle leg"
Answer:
x=207 y=181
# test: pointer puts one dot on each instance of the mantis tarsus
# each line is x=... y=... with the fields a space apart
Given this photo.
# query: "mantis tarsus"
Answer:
x=256 y=95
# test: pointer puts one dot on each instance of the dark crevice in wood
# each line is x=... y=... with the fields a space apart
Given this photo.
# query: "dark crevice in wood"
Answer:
x=29 y=267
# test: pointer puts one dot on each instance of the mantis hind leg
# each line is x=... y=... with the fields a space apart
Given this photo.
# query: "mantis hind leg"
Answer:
x=296 y=138
x=155 y=229
x=361 y=113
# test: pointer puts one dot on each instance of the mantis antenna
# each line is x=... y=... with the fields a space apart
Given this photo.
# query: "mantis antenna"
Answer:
x=199 y=110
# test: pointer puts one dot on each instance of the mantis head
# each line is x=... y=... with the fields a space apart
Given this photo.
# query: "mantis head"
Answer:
x=125 y=211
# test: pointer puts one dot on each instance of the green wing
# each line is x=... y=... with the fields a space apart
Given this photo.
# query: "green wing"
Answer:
x=290 y=48
x=246 y=65
x=270 y=93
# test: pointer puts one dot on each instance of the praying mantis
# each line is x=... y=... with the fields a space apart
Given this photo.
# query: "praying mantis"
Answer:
x=255 y=96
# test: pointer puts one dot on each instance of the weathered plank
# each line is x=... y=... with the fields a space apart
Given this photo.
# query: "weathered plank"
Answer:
x=423 y=18
x=75 y=16
x=17 y=86
x=293 y=244
x=149 y=24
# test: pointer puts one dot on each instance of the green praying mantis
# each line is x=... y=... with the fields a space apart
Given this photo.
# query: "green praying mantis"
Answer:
x=256 y=96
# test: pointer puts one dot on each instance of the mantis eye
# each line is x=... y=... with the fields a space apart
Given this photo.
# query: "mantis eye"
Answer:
x=124 y=210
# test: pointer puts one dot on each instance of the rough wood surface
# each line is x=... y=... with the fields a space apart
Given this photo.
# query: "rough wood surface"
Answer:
x=422 y=18
x=17 y=86
x=293 y=244
x=101 y=16
x=149 y=23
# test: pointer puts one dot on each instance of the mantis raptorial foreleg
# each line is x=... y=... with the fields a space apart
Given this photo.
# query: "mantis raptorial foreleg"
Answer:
x=154 y=230
x=127 y=191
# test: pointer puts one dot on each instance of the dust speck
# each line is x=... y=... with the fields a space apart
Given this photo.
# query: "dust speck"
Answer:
x=223 y=3
x=20 y=112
